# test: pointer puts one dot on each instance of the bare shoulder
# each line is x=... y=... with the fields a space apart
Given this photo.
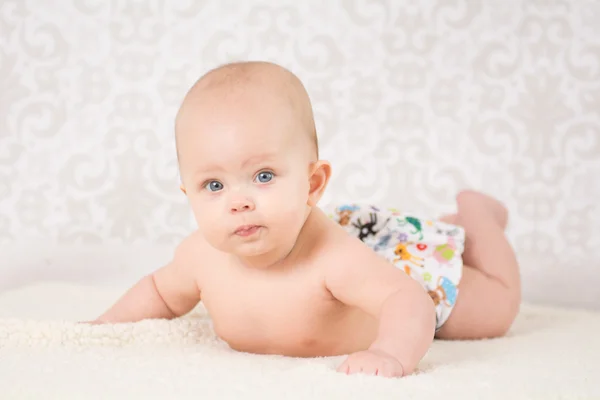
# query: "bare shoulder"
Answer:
x=178 y=282
x=193 y=245
x=348 y=256
x=193 y=254
x=356 y=275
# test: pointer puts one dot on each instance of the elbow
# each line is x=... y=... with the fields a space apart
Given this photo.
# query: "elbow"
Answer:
x=427 y=308
x=166 y=311
x=414 y=304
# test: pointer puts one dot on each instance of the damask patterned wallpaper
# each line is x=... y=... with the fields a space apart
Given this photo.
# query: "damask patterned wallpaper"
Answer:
x=414 y=101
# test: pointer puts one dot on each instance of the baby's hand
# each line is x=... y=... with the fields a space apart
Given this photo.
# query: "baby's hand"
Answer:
x=372 y=362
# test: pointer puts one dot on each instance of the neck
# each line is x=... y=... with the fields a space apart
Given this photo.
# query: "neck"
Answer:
x=282 y=256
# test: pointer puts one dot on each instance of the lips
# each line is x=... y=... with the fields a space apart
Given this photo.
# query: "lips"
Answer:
x=247 y=230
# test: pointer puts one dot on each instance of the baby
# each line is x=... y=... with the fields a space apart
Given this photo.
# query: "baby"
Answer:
x=278 y=275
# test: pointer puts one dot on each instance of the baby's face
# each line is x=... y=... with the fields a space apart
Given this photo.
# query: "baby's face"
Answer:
x=245 y=167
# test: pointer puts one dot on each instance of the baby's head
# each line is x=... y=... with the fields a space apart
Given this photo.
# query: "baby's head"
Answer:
x=248 y=156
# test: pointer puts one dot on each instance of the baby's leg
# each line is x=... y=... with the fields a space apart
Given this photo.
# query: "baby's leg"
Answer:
x=490 y=288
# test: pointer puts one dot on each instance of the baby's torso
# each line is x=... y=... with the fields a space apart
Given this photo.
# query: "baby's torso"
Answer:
x=281 y=312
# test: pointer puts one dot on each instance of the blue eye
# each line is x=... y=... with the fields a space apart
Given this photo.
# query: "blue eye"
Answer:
x=264 y=177
x=214 y=186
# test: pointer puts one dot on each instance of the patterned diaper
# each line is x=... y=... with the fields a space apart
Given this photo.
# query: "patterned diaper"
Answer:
x=427 y=250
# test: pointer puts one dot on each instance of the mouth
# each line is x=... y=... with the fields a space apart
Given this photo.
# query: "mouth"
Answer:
x=247 y=230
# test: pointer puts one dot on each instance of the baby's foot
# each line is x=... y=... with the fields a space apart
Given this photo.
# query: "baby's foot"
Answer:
x=472 y=200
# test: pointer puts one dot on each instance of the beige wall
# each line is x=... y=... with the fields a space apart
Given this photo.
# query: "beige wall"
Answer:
x=412 y=102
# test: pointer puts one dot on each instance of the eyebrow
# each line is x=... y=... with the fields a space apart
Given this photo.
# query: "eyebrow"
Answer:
x=249 y=161
x=257 y=159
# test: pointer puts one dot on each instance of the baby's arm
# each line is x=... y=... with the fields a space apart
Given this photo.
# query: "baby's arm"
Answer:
x=357 y=276
x=169 y=292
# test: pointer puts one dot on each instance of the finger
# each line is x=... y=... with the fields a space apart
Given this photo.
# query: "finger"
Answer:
x=385 y=371
x=369 y=369
x=399 y=371
x=394 y=369
x=355 y=368
x=343 y=367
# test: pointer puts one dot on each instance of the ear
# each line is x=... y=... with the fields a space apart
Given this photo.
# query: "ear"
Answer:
x=183 y=189
x=320 y=172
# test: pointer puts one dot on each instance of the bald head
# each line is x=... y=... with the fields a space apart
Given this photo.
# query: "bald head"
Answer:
x=229 y=81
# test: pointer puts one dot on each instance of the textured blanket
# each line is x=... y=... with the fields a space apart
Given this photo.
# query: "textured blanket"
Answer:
x=549 y=354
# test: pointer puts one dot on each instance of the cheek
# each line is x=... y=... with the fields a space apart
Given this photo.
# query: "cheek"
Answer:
x=286 y=195
x=207 y=218
x=286 y=204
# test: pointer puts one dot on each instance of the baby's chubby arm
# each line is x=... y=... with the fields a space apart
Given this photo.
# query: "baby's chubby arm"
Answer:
x=357 y=276
x=169 y=292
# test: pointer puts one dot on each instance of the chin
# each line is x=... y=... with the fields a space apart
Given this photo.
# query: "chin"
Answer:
x=252 y=249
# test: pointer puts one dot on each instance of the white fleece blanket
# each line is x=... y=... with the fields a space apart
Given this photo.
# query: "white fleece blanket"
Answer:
x=549 y=354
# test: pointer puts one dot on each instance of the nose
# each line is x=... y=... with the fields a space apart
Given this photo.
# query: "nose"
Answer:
x=241 y=204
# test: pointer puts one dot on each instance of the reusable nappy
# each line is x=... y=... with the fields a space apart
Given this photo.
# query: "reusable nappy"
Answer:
x=427 y=250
